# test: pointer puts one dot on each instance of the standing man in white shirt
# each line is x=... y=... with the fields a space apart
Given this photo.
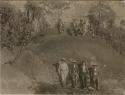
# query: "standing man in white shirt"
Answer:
x=63 y=71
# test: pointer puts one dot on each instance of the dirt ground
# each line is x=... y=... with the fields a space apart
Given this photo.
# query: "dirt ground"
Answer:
x=34 y=72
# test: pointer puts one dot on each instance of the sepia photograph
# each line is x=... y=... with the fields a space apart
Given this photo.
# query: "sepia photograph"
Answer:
x=74 y=47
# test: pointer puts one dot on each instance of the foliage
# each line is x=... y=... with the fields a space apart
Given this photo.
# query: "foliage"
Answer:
x=115 y=36
x=18 y=27
x=102 y=12
x=33 y=11
x=15 y=29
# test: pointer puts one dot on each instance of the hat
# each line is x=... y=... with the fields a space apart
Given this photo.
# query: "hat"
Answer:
x=63 y=59
x=74 y=61
x=94 y=64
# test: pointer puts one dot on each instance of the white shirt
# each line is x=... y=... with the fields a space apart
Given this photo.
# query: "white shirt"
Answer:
x=84 y=68
x=63 y=66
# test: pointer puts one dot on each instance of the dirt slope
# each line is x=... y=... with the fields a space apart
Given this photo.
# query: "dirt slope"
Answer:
x=13 y=81
x=71 y=47
x=37 y=61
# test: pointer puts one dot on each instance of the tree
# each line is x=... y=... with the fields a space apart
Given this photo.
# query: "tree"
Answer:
x=15 y=30
x=101 y=13
x=39 y=11
x=7 y=22
x=60 y=6
x=33 y=11
x=36 y=14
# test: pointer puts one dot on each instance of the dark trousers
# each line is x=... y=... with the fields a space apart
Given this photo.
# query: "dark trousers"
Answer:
x=96 y=84
x=74 y=80
x=84 y=80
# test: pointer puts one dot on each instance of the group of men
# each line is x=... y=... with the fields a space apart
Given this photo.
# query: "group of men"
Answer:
x=80 y=74
x=81 y=27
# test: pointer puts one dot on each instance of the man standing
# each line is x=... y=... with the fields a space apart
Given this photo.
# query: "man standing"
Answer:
x=96 y=77
x=63 y=71
x=60 y=26
x=81 y=27
x=86 y=25
x=74 y=27
x=74 y=74
x=93 y=73
x=84 y=74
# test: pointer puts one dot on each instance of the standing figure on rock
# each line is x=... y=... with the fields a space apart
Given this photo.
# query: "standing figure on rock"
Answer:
x=81 y=27
x=60 y=26
x=74 y=27
x=63 y=71
x=86 y=25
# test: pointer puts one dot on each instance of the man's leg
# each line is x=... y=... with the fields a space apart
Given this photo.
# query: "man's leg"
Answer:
x=96 y=84
x=63 y=79
x=82 y=81
x=85 y=78
x=75 y=81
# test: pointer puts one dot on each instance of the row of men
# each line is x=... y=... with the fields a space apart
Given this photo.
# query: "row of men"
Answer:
x=81 y=75
x=81 y=27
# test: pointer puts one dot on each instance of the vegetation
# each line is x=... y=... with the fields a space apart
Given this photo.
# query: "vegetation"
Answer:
x=18 y=27
x=102 y=17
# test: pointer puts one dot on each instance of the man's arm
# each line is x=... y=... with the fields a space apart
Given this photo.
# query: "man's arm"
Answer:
x=59 y=69
x=67 y=68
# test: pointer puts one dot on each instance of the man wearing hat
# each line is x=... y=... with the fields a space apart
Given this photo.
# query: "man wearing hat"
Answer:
x=60 y=26
x=74 y=74
x=93 y=73
x=84 y=72
x=86 y=25
x=63 y=71
x=81 y=26
x=74 y=27
x=96 y=76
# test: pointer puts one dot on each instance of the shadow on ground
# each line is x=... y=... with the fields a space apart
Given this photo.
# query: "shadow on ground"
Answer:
x=46 y=88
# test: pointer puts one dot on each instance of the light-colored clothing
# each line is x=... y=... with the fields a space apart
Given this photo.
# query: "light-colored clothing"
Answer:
x=84 y=68
x=86 y=27
x=63 y=71
x=63 y=66
x=84 y=76
x=60 y=26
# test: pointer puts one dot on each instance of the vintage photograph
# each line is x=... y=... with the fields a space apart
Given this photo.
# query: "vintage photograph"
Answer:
x=74 y=47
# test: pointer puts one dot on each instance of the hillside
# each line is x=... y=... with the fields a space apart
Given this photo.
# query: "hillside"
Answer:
x=72 y=47
x=13 y=81
x=36 y=62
